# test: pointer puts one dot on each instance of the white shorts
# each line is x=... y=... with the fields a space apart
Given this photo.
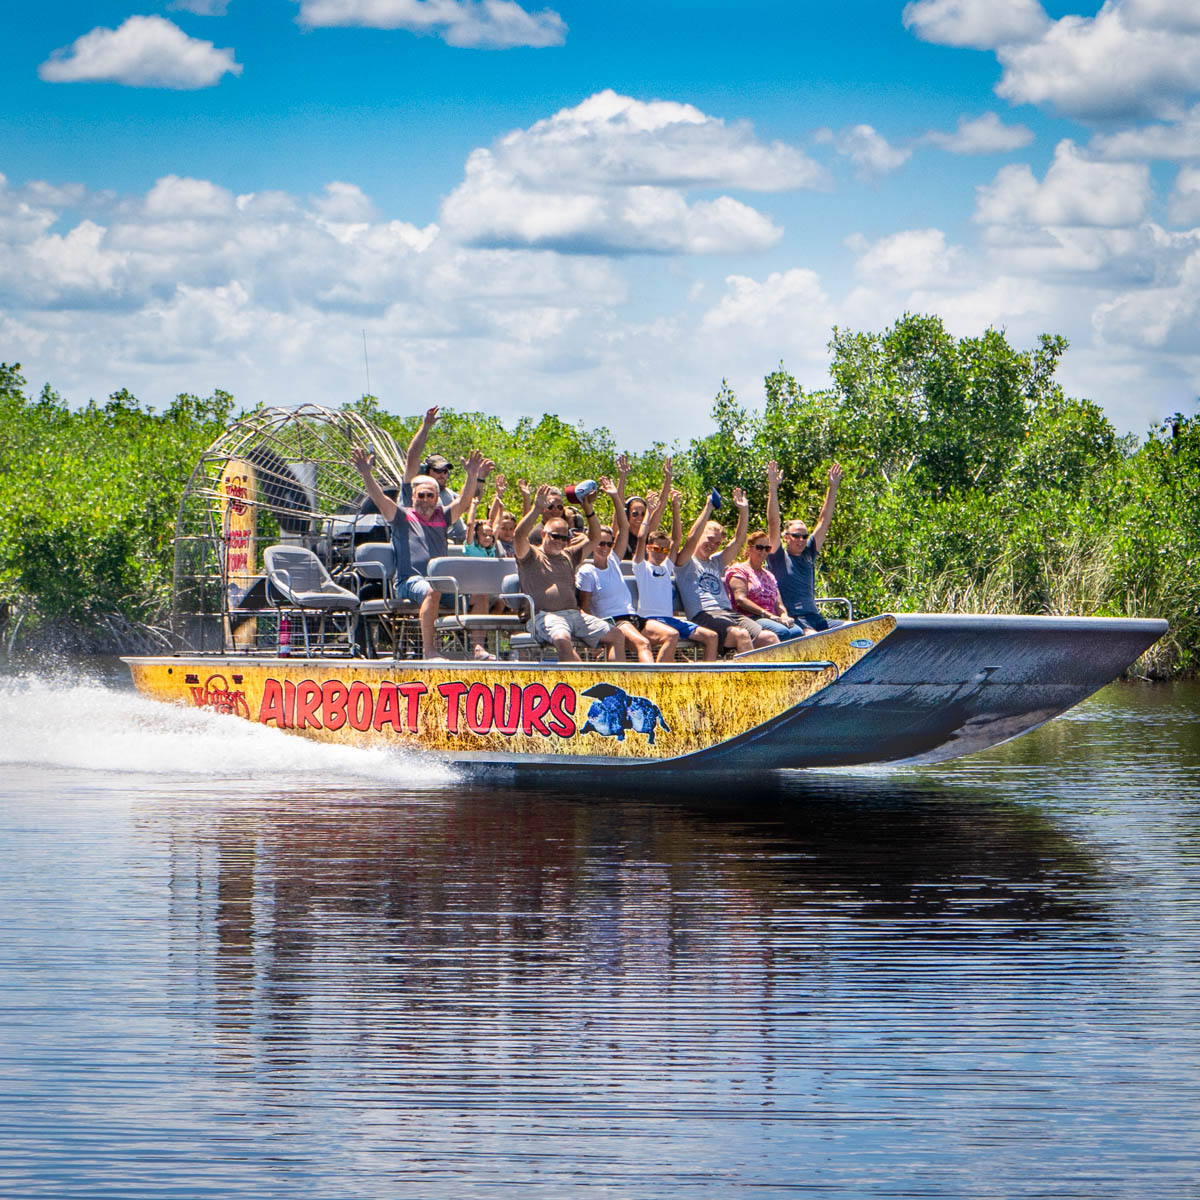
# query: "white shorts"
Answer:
x=573 y=622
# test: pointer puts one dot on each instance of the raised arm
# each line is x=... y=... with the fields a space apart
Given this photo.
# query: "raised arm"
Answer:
x=585 y=543
x=620 y=518
x=529 y=518
x=732 y=550
x=416 y=448
x=774 y=532
x=676 y=520
x=622 y=475
x=649 y=526
x=497 y=506
x=364 y=461
x=695 y=534
x=475 y=465
x=826 y=517
x=526 y=496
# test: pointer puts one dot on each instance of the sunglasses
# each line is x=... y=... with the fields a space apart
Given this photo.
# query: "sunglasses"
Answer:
x=761 y=546
x=608 y=544
x=440 y=470
x=559 y=537
x=797 y=535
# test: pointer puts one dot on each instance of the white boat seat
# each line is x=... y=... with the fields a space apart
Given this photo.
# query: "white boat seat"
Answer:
x=297 y=577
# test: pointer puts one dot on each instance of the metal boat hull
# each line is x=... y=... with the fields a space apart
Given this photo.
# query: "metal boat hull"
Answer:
x=895 y=688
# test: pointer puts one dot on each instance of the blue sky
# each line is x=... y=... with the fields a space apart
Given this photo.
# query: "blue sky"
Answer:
x=596 y=210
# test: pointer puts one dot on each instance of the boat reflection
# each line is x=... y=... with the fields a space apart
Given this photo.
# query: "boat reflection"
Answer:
x=461 y=918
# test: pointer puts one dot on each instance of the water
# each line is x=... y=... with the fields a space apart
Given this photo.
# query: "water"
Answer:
x=234 y=963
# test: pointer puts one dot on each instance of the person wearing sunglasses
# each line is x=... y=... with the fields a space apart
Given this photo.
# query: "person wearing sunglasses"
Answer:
x=794 y=550
x=419 y=523
x=547 y=574
x=756 y=593
x=700 y=568
x=602 y=589
x=438 y=468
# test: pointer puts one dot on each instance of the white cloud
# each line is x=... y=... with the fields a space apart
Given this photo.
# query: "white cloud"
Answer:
x=1075 y=191
x=982 y=135
x=1179 y=15
x=202 y=8
x=470 y=24
x=1184 y=205
x=143 y=52
x=174 y=197
x=1179 y=140
x=870 y=152
x=909 y=259
x=979 y=24
x=609 y=175
x=1102 y=67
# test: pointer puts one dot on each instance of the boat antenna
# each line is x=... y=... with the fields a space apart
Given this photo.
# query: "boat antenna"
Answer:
x=366 y=362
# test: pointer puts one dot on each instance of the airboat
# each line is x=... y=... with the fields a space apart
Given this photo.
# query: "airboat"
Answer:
x=284 y=613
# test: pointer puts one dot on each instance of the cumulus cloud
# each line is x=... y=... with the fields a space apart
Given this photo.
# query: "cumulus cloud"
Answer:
x=470 y=24
x=981 y=135
x=1075 y=191
x=978 y=24
x=909 y=259
x=1103 y=67
x=868 y=150
x=609 y=176
x=1184 y=205
x=1178 y=141
x=143 y=52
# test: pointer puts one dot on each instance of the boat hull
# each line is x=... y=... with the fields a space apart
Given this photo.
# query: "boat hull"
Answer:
x=895 y=688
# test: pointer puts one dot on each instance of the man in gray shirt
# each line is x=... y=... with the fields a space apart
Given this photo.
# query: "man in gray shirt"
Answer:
x=700 y=569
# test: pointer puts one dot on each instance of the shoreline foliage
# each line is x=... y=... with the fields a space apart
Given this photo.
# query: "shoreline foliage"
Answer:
x=972 y=484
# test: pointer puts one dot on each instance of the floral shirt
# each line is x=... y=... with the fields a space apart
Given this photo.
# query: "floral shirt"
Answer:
x=761 y=587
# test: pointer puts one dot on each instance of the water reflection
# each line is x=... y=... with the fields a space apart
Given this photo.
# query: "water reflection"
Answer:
x=439 y=923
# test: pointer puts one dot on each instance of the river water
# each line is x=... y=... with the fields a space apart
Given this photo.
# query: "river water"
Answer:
x=235 y=963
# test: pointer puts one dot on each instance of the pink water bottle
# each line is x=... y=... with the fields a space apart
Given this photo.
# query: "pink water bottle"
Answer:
x=285 y=636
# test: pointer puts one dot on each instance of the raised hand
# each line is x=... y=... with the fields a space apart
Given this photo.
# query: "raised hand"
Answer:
x=501 y=483
x=622 y=465
x=774 y=474
x=676 y=497
x=608 y=488
x=362 y=460
x=835 y=474
x=523 y=488
x=739 y=498
x=667 y=468
x=542 y=498
x=431 y=417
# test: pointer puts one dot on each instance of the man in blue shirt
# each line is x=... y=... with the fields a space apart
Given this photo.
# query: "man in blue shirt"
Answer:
x=793 y=557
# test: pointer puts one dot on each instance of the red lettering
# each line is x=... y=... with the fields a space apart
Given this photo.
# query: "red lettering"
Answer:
x=414 y=692
x=535 y=704
x=479 y=708
x=289 y=704
x=308 y=704
x=507 y=708
x=272 y=707
x=387 y=710
x=334 y=694
x=453 y=692
x=562 y=710
x=360 y=706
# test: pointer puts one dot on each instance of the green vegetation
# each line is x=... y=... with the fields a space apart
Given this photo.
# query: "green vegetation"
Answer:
x=972 y=484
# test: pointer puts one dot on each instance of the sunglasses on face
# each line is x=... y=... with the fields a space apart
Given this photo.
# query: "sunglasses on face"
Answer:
x=426 y=495
x=608 y=544
x=761 y=546
x=559 y=537
x=797 y=535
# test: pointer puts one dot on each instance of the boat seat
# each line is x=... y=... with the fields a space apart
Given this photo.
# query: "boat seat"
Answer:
x=466 y=578
x=297 y=580
x=375 y=570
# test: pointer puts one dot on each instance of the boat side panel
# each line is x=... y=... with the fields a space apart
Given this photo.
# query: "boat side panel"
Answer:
x=491 y=709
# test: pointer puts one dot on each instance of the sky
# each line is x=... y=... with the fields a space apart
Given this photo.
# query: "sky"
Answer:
x=597 y=210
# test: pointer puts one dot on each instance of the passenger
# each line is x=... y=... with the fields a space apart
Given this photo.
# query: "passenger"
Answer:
x=556 y=506
x=602 y=588
x=635 y=514
x=756 y=593
x=547 y=574
x=483 y=541
x=419 y=526
x=793 y=558
x=699 y=572
x=654 y=571
x=501 y=520
x=438 y=467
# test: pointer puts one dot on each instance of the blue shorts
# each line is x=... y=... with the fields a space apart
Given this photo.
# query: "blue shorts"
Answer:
x=685 y=629
x=414 y=588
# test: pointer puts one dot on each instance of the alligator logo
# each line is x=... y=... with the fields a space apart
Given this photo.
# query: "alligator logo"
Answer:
x=615 y=710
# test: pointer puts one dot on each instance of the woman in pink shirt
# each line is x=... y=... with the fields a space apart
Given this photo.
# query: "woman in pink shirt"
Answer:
x=755 y=591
